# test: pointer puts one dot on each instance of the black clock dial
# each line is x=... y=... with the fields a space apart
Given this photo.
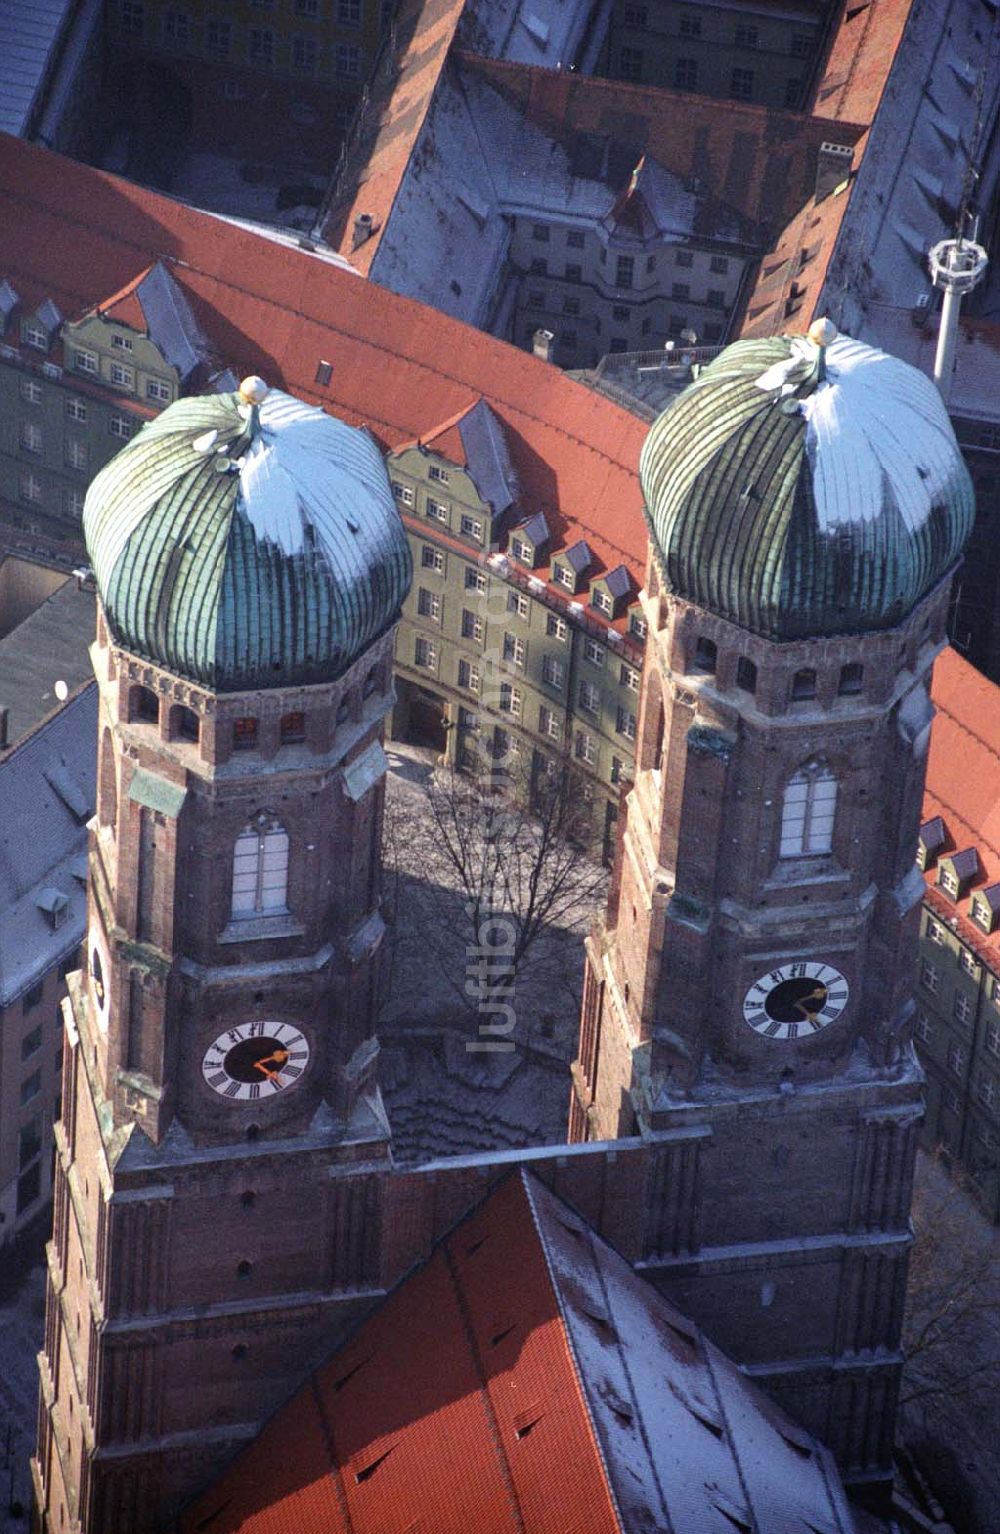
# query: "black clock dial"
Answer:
x=795 y=1000
x=253 y=1061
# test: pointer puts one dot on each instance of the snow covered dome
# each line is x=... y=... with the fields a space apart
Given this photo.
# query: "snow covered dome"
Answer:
x=247 y=540
x=805 y=486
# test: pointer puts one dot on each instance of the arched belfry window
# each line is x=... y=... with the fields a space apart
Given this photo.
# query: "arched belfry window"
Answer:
x=260 y=868
x=808 y=810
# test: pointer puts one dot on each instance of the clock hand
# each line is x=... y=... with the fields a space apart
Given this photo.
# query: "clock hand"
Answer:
x=278 y=1056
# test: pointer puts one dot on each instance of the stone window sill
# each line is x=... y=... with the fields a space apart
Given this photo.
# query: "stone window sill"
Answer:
x=249 y=929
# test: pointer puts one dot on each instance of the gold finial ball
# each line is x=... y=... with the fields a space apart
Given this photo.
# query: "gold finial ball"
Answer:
x=822 y=332
x=254 y=390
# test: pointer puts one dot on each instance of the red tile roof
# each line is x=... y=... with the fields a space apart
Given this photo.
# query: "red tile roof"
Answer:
x=849 y=89
x=78 y=235
x=454 y=1408
x=386 y=133
x=525 y=1378
x=963 y=786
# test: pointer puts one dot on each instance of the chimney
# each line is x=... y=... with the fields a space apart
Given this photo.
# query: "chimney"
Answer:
x=364 y=228
x=542 y=344
x=833 y=165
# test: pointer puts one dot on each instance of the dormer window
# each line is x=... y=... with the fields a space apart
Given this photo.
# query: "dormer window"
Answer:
x=529 y=540
x=571 y=566
x=602 y=601
x=9 y=300
x=985 y=907
x=930 y=841
x=54 y=904
x=637 y=625
x=957 y=871
x=33 y=335
x=40 y=329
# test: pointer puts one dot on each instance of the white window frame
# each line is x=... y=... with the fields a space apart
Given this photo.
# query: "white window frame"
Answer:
x=470 y=527
x=522 y=551
x=475 y=580
x=585 y=748
x=85 y=361
x=122 y=377
x=437 y=510
x=120 y=426
x=513 y=650
x=594 y=652
x=510 y=700
x=468 y=675
x=589 y=697
x=602 y=601
x=425 y=654
x=930 y=976
x=808 y=812
x=402 y=493
x=34 y=335
x=158 y=389
x=629 y=677
x=437 y=474
x=429 y=604
x=557 y=628
x=431 y=558
x=471 y=626
x=260 y=870
x=517 y=602
x=553 y=671
x=31 y=391
x=76 y=410
x=625 y=722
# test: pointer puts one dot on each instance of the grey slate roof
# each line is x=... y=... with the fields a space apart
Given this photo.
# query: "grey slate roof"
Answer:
x=487 y=458
x=51 y=645
x=29 y=33
x=47 y=788
x=170 y=321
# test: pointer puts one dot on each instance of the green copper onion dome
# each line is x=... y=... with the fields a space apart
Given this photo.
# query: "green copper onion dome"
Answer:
x=247 y=540
x=806 y=486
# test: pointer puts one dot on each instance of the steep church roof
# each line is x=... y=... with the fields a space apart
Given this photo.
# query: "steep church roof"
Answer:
x=806 y=486
x=247 y=545
x=524 y=1378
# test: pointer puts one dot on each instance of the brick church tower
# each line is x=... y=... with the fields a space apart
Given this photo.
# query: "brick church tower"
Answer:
x=216 y=1196
x=747 y=1004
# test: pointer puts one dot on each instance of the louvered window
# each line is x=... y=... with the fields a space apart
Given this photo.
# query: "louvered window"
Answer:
x=260 y=868
x=808 y=811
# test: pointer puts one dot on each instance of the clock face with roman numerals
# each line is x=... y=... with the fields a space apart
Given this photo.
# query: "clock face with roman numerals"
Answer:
x=795 y=1001
x=251 y=1062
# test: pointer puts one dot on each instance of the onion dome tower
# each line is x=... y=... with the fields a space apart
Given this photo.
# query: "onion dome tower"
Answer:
x=220 y=1069
x=748 y=997
x=806 y=486
x=247 y=540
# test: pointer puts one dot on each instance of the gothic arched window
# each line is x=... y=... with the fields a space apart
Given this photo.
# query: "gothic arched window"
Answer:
x=808 y=811
x=260 y=868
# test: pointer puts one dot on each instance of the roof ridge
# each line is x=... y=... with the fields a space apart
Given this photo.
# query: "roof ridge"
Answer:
x=527 y=1179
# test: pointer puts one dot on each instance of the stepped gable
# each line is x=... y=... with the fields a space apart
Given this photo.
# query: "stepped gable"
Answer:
x=524 y=1378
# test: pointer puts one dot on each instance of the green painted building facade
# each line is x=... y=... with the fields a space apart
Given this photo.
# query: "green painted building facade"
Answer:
x=486 y=645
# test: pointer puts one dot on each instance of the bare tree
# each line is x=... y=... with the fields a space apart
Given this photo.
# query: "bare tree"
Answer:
x=951 y=1336
x=515 y=849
